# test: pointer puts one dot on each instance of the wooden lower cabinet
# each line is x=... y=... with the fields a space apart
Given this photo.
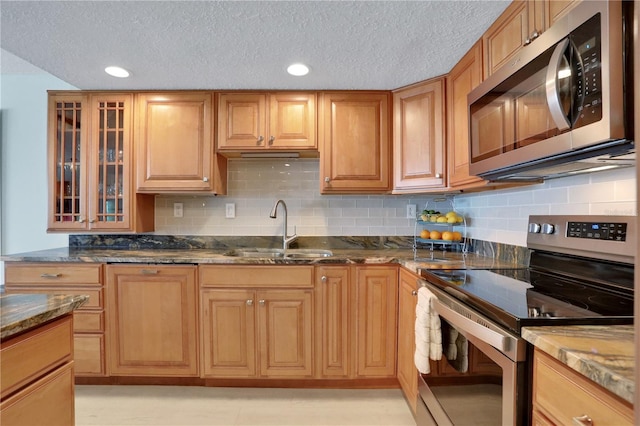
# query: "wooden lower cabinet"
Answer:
x=261 y=327
x=335 y=314
x=36 y=376
x=562 y=396
x=377 y=308
x=89 y=319
x=152 y=320
x=407 y=301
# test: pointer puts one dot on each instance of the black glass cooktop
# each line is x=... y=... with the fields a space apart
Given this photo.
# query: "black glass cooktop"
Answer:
x=526 y=297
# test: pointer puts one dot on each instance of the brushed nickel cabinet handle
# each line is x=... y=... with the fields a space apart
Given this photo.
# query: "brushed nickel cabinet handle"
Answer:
x=249 y=302
x=271 y=139
x=205 y=179
x=583 y=420
x=261 y=302
x=260 y=139
x=47 y=275
x=149 y=272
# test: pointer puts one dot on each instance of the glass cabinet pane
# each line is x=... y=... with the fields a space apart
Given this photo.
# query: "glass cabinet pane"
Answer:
x=67 y=155
x=111 y=145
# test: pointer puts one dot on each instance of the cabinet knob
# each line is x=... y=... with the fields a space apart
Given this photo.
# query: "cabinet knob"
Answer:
x=260 y=139
x=205 y=179
x=326 y=179
x=438 y=175
x=414 y=293
x=250 y=302
x=323 y=279
x=92 y=220
x=271 y=139
x=583 y=420
x=81 y=219
x=261 y=302
x=527 y=41
x=535 y=35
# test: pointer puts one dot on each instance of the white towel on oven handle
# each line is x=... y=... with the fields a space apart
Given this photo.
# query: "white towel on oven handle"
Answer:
x=428 y=334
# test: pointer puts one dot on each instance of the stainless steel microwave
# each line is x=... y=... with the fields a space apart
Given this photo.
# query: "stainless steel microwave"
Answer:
x=563 y=105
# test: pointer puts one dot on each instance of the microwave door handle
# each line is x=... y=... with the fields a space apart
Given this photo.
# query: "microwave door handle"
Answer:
x=553 y=97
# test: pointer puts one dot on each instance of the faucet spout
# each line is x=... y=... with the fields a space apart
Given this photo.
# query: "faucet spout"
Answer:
x=286 y=240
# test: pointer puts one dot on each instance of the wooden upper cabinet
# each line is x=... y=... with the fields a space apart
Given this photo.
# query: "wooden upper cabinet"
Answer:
x=90 y=156
x=266 y=121
x=418 y=137
x=519 y=25
x=505 y=37
x=464 y=77
x=175 y=144
x=354 y=135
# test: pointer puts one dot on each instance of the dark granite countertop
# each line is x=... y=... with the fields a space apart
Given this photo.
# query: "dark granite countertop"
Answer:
x=604 y=354
x=426 y=259
x=21 y=312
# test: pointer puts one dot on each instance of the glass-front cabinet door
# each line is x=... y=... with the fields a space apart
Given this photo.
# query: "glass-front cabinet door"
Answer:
x=90 y=152
x=109 y=184
x=68 y=145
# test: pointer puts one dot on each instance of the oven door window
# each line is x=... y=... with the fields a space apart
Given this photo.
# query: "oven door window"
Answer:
x=471 y=397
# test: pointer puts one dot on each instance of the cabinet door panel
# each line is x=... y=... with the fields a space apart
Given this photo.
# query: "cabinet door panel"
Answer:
x=505 y=37
x=463 y=78
x=419 y=156
x=228 y=329
x=153 y=318
x=407 y=371
x=285 y=324
x=334 y=313
x=89 y=355
x=292 y=121
x=242 y=121
x=377 y=310
x=175 y=142
x=356 y=151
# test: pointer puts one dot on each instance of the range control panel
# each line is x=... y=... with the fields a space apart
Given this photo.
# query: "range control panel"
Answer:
x=596 y=236
x=597 y=230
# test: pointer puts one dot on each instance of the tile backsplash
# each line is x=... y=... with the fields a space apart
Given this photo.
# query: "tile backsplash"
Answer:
x=500 y=216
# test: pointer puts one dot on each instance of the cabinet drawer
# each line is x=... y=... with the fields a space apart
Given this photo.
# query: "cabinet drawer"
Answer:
x=256 y=276
x=88 y=354
x=48 y=401
x=32 y=354
x=562 y=394
x=96 y=296
x=88 y=322
x=53 y=273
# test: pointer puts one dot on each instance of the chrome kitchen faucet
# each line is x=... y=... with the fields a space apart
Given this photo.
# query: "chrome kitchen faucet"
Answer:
x=285 y=240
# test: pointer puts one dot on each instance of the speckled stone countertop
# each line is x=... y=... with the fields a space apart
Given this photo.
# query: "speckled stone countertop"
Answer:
x=604 y=354
x=21 y=312
x=426 y=259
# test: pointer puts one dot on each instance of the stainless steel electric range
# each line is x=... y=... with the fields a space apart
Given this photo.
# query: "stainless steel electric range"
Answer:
x=581 y=271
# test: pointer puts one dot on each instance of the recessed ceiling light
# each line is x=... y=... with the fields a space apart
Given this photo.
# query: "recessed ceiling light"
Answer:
x=117 y=72
x=298 y=69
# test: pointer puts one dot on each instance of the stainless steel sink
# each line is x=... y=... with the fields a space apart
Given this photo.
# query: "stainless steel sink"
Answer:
x=279 y=253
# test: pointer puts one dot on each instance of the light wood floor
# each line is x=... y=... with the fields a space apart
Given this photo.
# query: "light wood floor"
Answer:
x=193 y=405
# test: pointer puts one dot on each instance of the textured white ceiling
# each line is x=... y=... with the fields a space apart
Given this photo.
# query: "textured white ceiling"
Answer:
x=244 y=44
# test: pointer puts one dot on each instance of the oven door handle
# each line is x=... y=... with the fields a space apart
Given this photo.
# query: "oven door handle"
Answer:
x=464 y=324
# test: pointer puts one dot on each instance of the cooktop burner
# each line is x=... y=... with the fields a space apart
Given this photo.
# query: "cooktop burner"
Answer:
x=521 y=297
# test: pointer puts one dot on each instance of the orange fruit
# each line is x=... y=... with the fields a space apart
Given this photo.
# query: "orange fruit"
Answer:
x=435 y=235
x=447 y=236
x=457 y=236
x=424 y=234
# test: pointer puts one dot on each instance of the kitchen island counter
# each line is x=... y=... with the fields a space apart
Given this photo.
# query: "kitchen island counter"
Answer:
x=604 y=354
x=22 y=312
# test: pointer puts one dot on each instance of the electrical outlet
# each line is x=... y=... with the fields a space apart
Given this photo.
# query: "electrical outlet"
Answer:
x=411 y=211
x=230 y=210
x=177 y=209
